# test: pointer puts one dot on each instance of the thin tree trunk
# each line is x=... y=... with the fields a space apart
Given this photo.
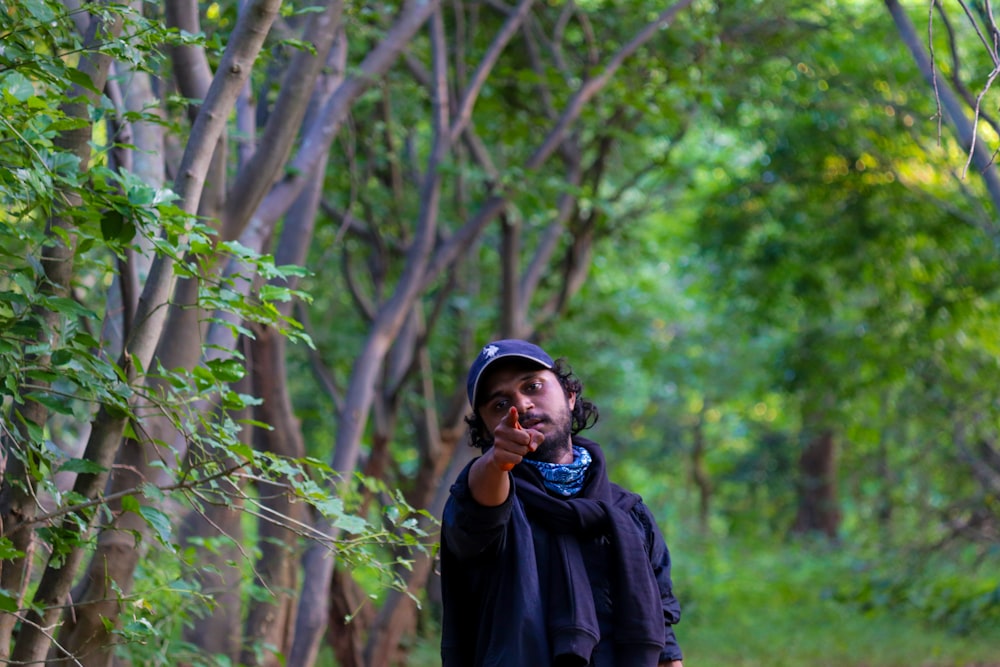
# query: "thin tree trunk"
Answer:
x=819 y=504
x=351 y=612
x=17 y=504
x=278 y=568
x=109 y=425
x=699 y=474
x=397 y=616
x=220 y=575
x=270 y=622
x=313 y=602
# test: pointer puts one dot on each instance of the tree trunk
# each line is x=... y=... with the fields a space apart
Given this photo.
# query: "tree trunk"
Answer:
x=313 y=606
x=398 y=614
x=17 y=504
x=351 y=613
x=108 y=427
x=819 y=506
x=699 y=475
x=269 y=623
x=219 y=573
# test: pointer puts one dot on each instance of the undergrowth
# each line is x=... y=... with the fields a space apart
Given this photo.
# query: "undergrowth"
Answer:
x=810 y=605
x=753 y=603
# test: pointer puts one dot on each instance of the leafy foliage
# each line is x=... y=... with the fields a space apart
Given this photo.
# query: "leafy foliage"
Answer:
x=762 y=211
x=740 y=595
x=55 y=354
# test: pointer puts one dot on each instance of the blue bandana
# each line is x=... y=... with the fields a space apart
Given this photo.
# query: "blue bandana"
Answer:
x=566 y=479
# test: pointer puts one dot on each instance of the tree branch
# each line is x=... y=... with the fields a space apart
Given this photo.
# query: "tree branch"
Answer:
x=452 y=248
x=317 y=138
x=953 y=107
x=283 y=122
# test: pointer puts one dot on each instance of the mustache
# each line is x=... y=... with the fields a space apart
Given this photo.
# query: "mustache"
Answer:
x=528 y=417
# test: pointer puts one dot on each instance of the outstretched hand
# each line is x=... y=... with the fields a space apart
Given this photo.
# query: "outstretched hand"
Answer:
x=488 y=479
x=512 y=442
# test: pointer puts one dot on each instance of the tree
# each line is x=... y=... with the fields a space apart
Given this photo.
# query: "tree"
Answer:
x=848 y=244
x=951 y=81
x=380 y=271
x=185 y=404
x=128 y=394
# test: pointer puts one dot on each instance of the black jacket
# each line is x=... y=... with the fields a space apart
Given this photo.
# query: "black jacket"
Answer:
x=497 y=583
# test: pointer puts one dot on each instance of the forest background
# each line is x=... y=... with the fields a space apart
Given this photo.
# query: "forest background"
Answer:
x=249 y=249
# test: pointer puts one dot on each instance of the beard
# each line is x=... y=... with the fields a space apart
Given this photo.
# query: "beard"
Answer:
x=557 y=438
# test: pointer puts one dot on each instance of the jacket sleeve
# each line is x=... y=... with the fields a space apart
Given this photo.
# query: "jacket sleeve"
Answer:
x=659 y=556
x=468 y=528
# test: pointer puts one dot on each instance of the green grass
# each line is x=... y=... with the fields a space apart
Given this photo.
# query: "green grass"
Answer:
x=756 y=603
x=788 y=606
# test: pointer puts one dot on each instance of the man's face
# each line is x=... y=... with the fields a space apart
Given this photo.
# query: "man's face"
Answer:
x=541 y=404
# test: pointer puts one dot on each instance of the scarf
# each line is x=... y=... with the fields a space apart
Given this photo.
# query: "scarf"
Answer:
x=566 y=479
x=571 y=617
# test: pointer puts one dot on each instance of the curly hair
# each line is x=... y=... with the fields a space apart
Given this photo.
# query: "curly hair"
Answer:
x=584 y=415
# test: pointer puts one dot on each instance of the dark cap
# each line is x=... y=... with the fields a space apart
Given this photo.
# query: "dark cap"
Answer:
x=502 y=349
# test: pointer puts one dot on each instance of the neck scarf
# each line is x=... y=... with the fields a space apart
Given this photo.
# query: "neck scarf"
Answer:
x=566 y=479
x=566 y=524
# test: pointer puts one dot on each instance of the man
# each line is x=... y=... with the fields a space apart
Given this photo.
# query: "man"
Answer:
x=544 y=562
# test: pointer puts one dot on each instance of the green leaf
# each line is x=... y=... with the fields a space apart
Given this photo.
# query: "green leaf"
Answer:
x=158 y=521
x=82 y=466
x=275 y=293
x=69 y=307
x=227 y=370
x=354 y=525
x=40 y=11
x=233 y=400
x=153 y=493
x=300 y=44
x=242 y=451
x=82 y=80
x=141 y=196
x=130 y=504
x=8 y=601
x=203 y=378
x=116 y=227
x=18 y=86
x=7 y=550
x=52 y=402
x=116 y=407
x=61 y=357
x=139 y=626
